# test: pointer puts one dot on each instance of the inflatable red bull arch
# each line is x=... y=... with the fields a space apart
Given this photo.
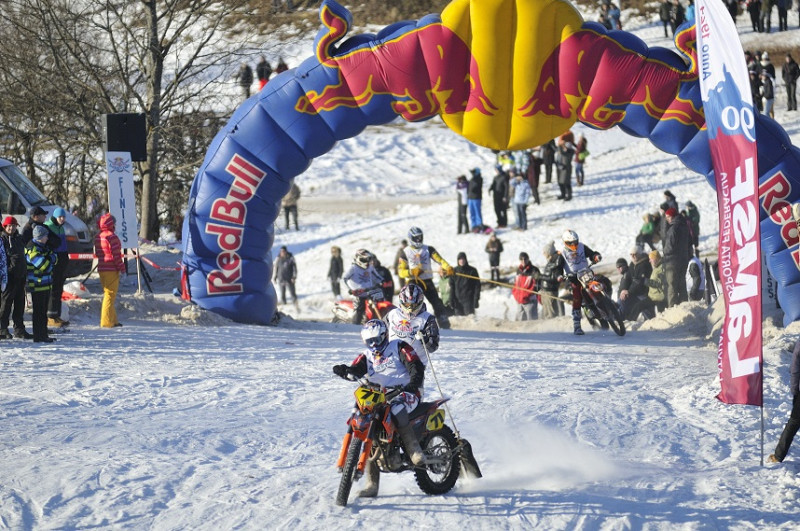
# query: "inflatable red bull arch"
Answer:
x=506 y=75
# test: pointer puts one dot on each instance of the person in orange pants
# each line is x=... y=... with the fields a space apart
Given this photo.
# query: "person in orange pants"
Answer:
x=108 y=249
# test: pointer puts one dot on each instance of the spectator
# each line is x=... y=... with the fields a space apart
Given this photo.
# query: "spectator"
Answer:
x=693 y=216
x=790 y=72
x=696 y=279
x=647 y=232
x=37 y=216
x=613 y=16
x=766 y=66
x=524 y=291
x=677 y=16
x=565 y=151
x=548 y=283
x=690 y=16
x=790 y=430
x=499 y=191
x=397 y=257
x=12 y=303
x=733 y=8
x=336 y=270
x=290 y=204
x=263 y=71
x=474 y=198
x=533 y=171
x=670 y=200
x=767 y=94
x=286 y=274
x=40 y=260
x=56 y=226
x=282 y=66
x=783 y=9
x=461 y=194
x=624 y=280
x=657 y=282
x=676 y=257
x=494 y=247
x=581 y=153
x=548 y=159
x=445 y=292
x=465 y=287
x=665 y=14
x=636 y=300
x=603 y=20
x=522 y=194
x=755 y=90
x=244 y=77
x=754 y=9
x=110 y=266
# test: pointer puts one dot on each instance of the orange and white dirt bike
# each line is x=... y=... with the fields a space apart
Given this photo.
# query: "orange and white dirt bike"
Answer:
x=344 y=309
x=597 y=304
x=371 y=434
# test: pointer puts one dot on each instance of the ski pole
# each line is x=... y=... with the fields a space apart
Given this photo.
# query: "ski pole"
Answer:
x=421 y=339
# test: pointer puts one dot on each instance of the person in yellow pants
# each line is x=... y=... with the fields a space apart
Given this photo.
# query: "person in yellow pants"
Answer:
x=108 y=249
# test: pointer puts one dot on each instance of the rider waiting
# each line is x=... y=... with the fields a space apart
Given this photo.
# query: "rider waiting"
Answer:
x=414 y=264
x=574 y=257
x=413 y=323
x=363 y=282
x=389 y=363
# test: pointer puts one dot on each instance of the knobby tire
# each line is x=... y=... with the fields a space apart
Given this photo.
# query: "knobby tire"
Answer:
x=350 y=464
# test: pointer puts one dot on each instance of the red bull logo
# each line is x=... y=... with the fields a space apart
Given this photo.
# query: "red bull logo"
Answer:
x=593 y=78
x=427 y=70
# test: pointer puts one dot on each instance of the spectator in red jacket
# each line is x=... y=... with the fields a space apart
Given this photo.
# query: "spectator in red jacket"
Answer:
x=108 y=249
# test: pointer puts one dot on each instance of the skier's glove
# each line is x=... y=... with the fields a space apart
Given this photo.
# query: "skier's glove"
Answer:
x=448 y=271
x=341 y=371
x=415 y=271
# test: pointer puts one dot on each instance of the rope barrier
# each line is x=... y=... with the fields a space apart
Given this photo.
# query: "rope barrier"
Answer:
x=92 y=256
x=507 y=285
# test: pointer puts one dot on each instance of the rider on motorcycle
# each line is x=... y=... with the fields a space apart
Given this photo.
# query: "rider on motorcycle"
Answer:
x=389 y=363
x=363 y=282
x=413 y=323
x=574 y=257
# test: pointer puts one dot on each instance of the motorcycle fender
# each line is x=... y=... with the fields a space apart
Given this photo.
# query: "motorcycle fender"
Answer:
x=435 y=420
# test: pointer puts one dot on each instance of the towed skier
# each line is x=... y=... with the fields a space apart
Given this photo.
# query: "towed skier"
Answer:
x=414 y=265
x=413 y=323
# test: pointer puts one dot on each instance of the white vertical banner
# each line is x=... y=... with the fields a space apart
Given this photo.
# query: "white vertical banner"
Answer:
x=122 y=198
x=730 y=121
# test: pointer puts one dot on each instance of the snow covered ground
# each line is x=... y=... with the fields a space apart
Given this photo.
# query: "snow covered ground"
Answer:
x=184 y=420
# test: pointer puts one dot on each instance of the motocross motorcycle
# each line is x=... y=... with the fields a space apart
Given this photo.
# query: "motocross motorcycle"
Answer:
x=371 y=434
x=597 y=304
x=376 y=307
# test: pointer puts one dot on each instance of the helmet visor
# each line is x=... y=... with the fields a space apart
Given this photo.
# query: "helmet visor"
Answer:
x=572 y=245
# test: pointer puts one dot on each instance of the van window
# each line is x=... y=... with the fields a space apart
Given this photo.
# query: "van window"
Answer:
x=13 y=176
x=9 y=200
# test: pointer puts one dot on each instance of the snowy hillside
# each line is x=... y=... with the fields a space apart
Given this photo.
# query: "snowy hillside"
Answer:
x=184 y=420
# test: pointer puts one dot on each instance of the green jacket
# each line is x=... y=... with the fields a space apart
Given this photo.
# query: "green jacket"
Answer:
x=657 y=284
x=40 y=260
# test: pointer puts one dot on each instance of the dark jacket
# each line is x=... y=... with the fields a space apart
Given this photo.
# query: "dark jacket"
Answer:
x=475 y=190
x=625 y=281
x=494 y=248
x=677 y=244
x=790 y=71
x=53 y=239
x=336 y=269
x=640 y=273
x=552 y=270
x=466 y=289
x=15 y=256
x=499 y=188
x=285 y=268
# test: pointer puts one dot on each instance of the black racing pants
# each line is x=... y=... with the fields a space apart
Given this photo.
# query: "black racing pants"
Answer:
x=789 y=431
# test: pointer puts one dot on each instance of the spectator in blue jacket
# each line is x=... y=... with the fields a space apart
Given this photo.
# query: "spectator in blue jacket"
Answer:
x=522 y=194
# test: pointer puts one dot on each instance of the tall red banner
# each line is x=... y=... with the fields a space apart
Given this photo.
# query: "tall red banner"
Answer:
x=725 y=88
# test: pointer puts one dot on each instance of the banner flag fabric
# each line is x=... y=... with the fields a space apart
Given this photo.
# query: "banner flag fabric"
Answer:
x=730 y=119
x=122 y=198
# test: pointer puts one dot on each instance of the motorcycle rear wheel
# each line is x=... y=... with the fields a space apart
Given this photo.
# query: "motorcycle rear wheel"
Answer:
x=439 y=478
x=615 y=319
x=346 y=483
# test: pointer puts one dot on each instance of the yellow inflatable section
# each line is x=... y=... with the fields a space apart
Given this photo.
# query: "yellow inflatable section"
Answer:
x=510 y=40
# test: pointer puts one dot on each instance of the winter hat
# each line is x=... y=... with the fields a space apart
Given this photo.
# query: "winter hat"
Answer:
x=671 y=212
x=549 y=249
x=475 y=171
x=637 y=250
x=39 y=232
x=461 y=255
x=654 y=255
x=10 y=220
x=669 y=194
x=524 y=256
x=765 y=56
x=106 y=221
x=37 y=211
x=621 y=262
x=57 y=213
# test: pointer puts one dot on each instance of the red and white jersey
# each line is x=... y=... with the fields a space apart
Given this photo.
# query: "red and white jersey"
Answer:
x=386 y=368
x=575 y=260
x=404 y=329
x=358 y=278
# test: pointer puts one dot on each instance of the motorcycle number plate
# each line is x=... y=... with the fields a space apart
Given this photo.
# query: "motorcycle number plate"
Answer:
x=367 y=398
x=435 y=420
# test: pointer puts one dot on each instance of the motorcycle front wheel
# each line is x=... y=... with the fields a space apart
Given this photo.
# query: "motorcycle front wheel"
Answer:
x=439 y=478
x=346 y=483
x=614 y=317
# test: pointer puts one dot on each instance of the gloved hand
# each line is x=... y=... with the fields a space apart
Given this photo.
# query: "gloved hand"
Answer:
x=416 y=271
x=597 y=258
x=341 y=371
x=560 y=279
x=448 y=271
x=410 y=388
x=419 y=335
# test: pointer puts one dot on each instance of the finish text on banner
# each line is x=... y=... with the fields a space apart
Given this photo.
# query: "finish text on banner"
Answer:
x=121 y=197
x=725 y=88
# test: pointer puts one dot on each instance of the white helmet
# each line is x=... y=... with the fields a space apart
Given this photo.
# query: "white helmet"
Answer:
x=362 y=258
x=375 y=334
x=570 y=239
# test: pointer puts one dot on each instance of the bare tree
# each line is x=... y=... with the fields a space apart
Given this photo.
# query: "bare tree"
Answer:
x=71 y=61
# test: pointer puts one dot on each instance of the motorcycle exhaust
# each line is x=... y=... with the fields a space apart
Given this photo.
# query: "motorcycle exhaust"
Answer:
x=469 y=466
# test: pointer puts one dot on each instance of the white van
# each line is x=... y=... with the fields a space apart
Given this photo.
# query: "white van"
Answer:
x=18 y=195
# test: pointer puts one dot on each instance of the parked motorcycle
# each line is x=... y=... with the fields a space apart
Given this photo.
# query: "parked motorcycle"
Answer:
x=597 y=304
x=371 y=434
x=376 y=307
